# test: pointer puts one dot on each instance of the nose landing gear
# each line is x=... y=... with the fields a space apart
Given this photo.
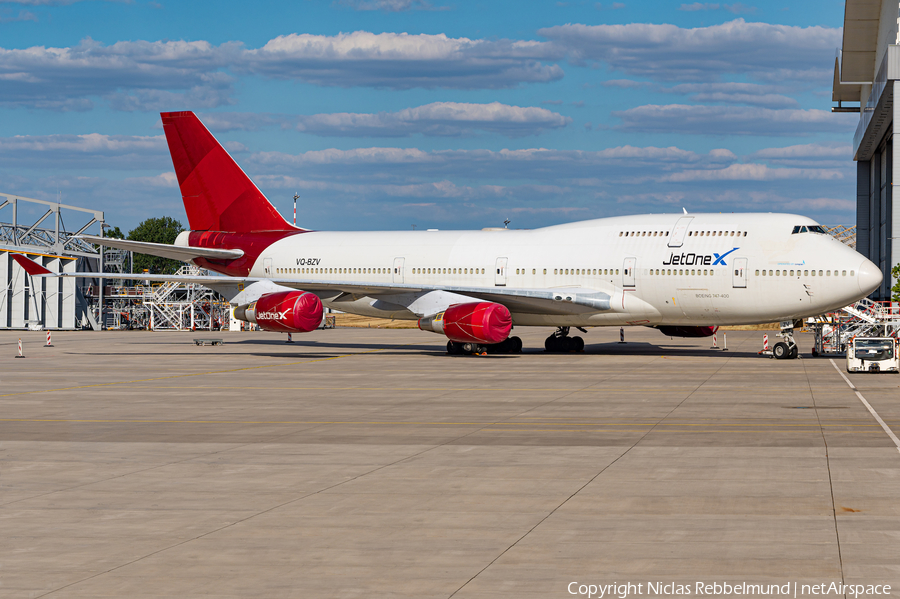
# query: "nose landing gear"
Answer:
x=560 y=342
x=787 y=349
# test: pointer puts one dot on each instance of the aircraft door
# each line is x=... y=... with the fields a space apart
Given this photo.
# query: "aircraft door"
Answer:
x=398 y=269
x=676 y=238
x=500 y=275
x=628 y=272
x=267 y=266
x=740 y=273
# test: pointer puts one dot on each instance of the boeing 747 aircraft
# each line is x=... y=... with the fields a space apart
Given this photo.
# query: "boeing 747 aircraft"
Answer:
x=685 y=274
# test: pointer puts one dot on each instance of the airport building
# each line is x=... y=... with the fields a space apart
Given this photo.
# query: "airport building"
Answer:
x=866 y=70
x=36 y=229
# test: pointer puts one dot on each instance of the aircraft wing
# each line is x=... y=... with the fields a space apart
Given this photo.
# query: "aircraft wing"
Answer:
x=568 y=300
x=164 y=250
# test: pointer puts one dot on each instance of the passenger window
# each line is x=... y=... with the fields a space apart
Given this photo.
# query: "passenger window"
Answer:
x=851 y=273
x=757 y=273
x=545 y=271
x=843 y=273
x=820 y=273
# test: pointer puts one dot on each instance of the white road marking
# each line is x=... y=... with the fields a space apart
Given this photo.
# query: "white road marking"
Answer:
x=872 y=411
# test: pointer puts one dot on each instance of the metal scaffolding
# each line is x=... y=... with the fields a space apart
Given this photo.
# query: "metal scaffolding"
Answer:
x=846 y=234
x=167 y=306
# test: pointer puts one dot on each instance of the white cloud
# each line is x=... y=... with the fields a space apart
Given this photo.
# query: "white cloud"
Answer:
x=437 y=119
x=143 y=75
x=752 y=172
x=731 y=120
x=753 y=94
x=403 y=61
x=670 y=53
x=699 y=6
x=133 y=75
x=735 y=8
x=245 y=121
x=24 y=15
x=92 y=150
x=389 y=5
x=829 y=154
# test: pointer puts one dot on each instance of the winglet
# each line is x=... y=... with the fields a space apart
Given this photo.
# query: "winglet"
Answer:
x=30 y=266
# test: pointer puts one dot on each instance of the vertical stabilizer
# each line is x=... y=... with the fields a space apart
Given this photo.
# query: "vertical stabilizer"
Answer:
x=217 y=194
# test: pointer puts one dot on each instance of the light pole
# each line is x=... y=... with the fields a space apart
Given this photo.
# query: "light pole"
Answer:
x=296 y=195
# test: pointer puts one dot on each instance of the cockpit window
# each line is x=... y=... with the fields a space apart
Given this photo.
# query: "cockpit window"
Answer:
x=810 y=229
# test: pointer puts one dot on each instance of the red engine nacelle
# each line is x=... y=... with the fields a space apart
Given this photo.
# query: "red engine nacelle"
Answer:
x=284 y=312
x=682 y=331
x=477 y=322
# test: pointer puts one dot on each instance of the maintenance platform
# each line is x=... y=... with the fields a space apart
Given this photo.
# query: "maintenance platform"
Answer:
x=369 y=463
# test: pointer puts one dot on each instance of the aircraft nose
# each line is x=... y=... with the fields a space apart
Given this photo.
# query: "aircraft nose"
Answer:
x=868 y=276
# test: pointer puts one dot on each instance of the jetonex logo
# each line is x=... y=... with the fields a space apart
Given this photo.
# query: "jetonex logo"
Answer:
x=272 y=315
x=698 y=259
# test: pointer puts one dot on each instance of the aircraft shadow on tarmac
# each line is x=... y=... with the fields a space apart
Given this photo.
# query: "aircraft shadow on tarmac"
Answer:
x=310 y=349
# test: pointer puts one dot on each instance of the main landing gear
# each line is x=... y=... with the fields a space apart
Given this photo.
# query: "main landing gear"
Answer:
x=560 y=342
x=512 y=345
x=787 y=349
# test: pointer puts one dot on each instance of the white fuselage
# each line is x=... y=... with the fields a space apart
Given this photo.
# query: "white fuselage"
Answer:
x=703 y=269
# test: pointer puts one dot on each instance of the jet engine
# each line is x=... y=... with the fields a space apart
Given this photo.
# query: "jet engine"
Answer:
x=686 y=331
x=283 y=312
x=476 y=322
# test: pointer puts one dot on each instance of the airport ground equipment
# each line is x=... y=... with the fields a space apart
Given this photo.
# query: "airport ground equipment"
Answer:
x=208 y=342
x=865 y=318
x=873 y=354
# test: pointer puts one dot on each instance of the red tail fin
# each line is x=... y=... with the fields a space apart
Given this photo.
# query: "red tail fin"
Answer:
x=217 y=194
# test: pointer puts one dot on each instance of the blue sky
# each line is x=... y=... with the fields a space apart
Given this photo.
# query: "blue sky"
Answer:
x=383 y=114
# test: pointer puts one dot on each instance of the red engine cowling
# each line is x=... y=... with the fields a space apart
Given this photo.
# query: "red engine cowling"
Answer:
x=685 y=331
x=284 y=312
x=476 y=322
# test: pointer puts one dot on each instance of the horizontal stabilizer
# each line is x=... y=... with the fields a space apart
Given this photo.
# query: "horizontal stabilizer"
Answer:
x=30 y=266
x=164 y=250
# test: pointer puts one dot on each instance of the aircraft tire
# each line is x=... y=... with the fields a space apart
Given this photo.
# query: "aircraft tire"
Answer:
x=515 y=345
x=453 y=348
x=795 y=352
x=780 y=351
x=577 y=344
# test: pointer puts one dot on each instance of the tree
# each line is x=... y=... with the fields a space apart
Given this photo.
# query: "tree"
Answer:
x=114 y=232
x=895 y=272
x=156 y=230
